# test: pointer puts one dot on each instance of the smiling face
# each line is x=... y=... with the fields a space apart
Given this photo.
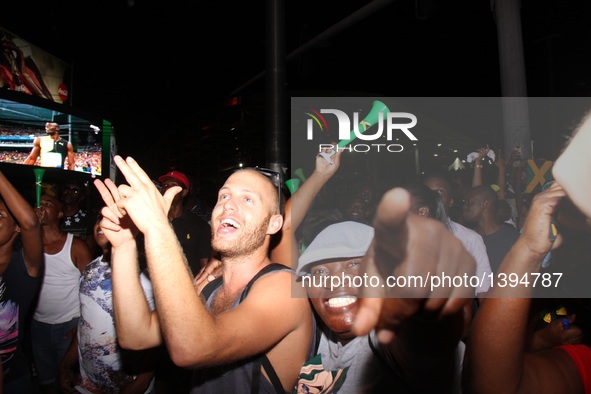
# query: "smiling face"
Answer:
x=244 y=214
x=337 y=307
x=357 y=210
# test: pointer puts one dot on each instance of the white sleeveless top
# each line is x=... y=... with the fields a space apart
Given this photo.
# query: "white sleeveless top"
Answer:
x=59 y=301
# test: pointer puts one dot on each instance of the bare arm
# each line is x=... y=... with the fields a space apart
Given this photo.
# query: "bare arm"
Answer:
x=80 y=252
x=298 y=206
x=28 y=222
x=496 y=356
x=70 y=156
x=34 y=154
x=478 y=166
x=137 y=326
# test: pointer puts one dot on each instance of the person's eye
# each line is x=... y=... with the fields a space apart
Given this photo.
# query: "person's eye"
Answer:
x=319 y=272
x=354 y=263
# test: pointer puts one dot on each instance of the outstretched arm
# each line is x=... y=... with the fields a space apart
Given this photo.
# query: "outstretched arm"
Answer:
x=497 y=359
x=298 y=206
x=478 y=166
x=416 y=322
x=137 y=326
x=28 y=223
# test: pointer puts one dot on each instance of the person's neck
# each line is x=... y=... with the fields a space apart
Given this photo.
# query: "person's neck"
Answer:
x=51 y=233
x=237 y=271
x=70 y=209
x=487 y=225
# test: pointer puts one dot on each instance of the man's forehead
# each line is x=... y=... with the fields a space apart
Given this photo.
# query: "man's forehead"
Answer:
x=245 y=177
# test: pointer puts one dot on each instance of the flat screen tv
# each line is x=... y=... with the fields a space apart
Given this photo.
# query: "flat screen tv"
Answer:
x=22 y=123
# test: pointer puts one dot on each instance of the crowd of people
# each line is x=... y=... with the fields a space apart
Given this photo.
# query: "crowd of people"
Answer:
x=132 y=291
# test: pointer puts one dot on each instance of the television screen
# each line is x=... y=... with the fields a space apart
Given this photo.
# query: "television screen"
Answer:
x=39 y=136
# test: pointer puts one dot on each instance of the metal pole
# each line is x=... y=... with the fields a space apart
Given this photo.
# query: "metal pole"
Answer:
x=513 y=79
x=275 y=92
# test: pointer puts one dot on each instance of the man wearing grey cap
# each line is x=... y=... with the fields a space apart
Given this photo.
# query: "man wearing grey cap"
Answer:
x=401 y=339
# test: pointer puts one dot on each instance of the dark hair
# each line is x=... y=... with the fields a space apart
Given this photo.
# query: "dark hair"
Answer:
x=487 y=193
x=424 y=196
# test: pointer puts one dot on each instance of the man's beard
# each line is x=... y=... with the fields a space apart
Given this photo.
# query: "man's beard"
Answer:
x=251 y=241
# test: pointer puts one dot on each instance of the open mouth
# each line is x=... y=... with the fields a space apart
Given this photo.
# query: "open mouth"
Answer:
x=340 y=302
x=229 y=223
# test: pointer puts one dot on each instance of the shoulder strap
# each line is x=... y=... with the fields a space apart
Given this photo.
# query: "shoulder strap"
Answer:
x=263 y=360
x=210 y=287
x=265 y=270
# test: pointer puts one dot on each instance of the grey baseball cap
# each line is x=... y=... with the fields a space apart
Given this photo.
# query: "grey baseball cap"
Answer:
x=340 y=240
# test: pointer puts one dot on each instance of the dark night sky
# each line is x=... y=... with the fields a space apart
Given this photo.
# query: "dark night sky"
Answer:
x=150 y=65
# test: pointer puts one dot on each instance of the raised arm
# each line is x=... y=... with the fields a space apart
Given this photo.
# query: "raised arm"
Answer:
x=477 y=178
x=497 y=360
x=501 y=176
x=298 y=206
x=28 y=223
x=137 y=326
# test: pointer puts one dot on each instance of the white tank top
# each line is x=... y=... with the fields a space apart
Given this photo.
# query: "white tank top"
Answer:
x=59 y=301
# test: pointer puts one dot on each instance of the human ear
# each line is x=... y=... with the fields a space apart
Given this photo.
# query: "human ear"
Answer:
x=275 y=224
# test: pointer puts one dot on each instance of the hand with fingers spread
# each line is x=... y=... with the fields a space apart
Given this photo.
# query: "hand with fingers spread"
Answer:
x=407 y=246
x=141 y=200
x=116 y=225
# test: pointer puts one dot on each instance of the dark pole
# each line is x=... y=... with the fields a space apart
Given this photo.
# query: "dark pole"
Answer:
x=513 y=79
x=275 y=107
